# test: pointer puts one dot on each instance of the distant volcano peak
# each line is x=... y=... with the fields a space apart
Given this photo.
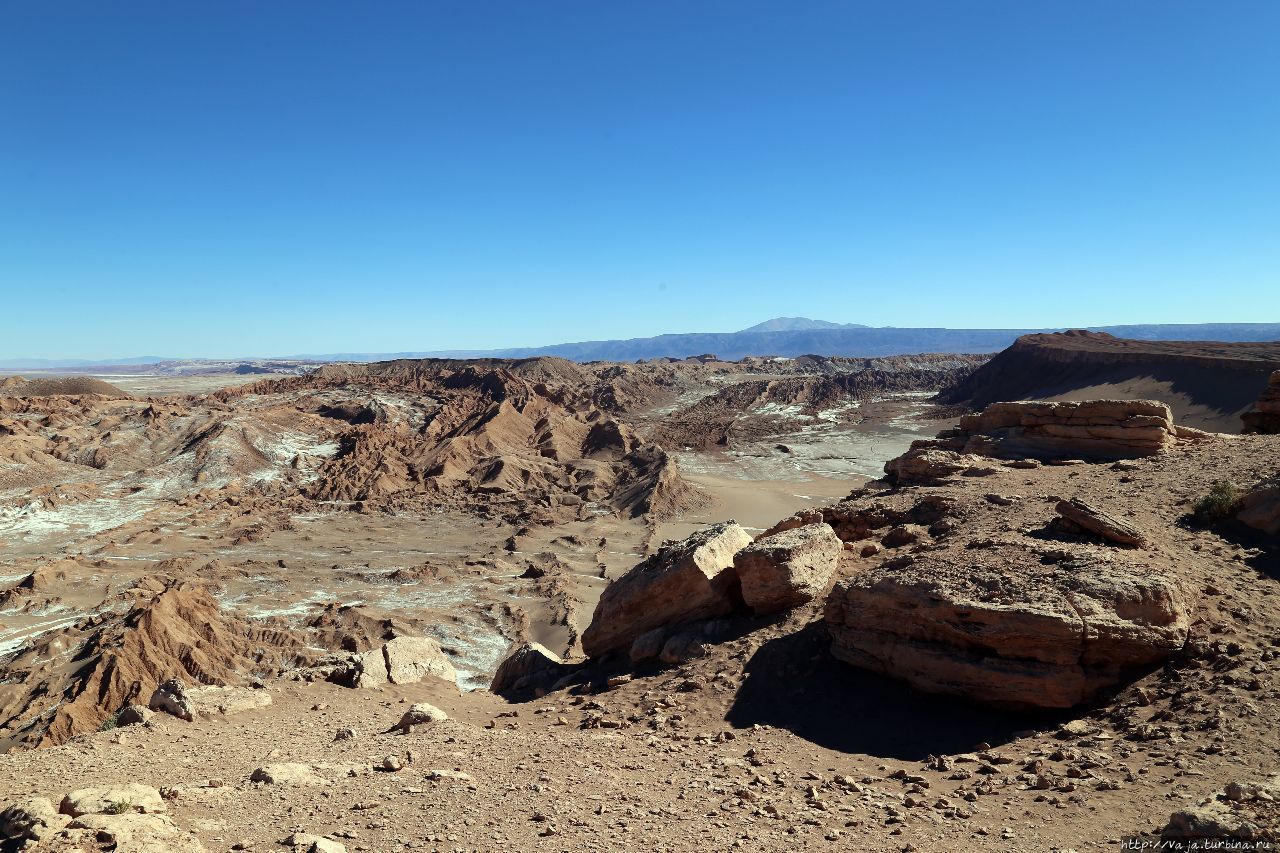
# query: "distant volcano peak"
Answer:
x=799 y=324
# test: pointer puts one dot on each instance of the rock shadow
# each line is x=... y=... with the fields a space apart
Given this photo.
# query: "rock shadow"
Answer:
x=793 y=683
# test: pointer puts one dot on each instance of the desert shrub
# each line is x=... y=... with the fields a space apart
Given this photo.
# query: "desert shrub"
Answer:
x=110 y=722
x=119 y=807
x=1218 y=505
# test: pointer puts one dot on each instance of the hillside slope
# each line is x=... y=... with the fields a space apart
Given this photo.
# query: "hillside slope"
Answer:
x=1208 y=384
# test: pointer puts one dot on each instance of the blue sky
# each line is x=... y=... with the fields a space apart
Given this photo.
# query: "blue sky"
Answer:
x=228 y=178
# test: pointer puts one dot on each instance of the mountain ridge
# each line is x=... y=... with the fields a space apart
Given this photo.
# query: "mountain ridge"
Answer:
x=780 y=336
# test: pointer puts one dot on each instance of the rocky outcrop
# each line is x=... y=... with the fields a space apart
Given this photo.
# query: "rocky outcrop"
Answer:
x=1239 y=812
x=1003 y=629
x=1259 y=507
x=789 y=568
x=928 y=464
x=529 y=665
x=32 y=820
x=1264 y=417
x=162 y=629
x=402 y=660
x=1209 y=384
x=288 y=773
x=420 y=714
x=684 y=581
x=128 y=796
x=1088 y=429
x=125 y=817
x=171 y=698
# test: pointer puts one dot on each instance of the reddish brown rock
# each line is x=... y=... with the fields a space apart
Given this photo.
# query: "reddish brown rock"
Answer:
x=787 y=569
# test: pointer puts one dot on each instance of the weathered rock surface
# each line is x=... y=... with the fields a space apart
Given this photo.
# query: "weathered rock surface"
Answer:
x=1086 y=429
x=1259 y=508
x=1089 y=518
x=31 y=820
x=531 y=663
x=683 y=581
x=412 y=659
x=213 y=699
x=787 y=569
x=288 y=773
x=1264 y=417
x=171 y=698
x=927 y=464
x=402 y=660
x=132 y=832
x=124 y=797
x=134 y=715
x=420 y=714
x=157 y=630
x=1242 y=812
x=1000 y=629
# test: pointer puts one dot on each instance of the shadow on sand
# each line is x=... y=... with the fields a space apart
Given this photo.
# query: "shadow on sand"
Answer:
x=793 y=683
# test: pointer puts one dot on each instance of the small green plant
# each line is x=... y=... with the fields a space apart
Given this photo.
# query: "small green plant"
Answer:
x=1218 y=504
x=119 y=807
x=110 y=722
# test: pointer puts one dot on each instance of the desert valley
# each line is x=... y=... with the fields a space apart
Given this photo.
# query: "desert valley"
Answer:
x=1010 y=601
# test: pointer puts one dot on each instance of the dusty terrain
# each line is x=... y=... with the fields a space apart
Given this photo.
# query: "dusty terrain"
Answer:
x=488 y=504
x=481 y=502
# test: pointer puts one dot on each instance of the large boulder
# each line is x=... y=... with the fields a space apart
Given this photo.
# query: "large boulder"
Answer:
x=131 y=832
x=1083 y=429
x=402 y=660
x=412 y=659
x=1239 y=812
x=788 y=568
x=420 y=714
x=684 y=581
x=1001 y=628
x=33 y=819
x=1259 y=508
x=529 y=665
x=171 y=697
x=288 y=773
x=926 y=464
x=114 y=799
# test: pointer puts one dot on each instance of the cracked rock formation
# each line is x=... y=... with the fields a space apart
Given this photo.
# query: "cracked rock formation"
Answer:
x=1003 y=630
x=789 y=568
x=683 y=581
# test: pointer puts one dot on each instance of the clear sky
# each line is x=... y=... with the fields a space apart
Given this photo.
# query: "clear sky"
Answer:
x=225 y=178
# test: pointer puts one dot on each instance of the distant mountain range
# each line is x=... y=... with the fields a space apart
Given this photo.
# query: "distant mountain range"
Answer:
x=782 y=336
x=794 y=336
x=59 y=363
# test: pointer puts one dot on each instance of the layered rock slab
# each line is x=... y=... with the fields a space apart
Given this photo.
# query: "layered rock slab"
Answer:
x=683 y=581
x=1085 y=429
x=1005 y=631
